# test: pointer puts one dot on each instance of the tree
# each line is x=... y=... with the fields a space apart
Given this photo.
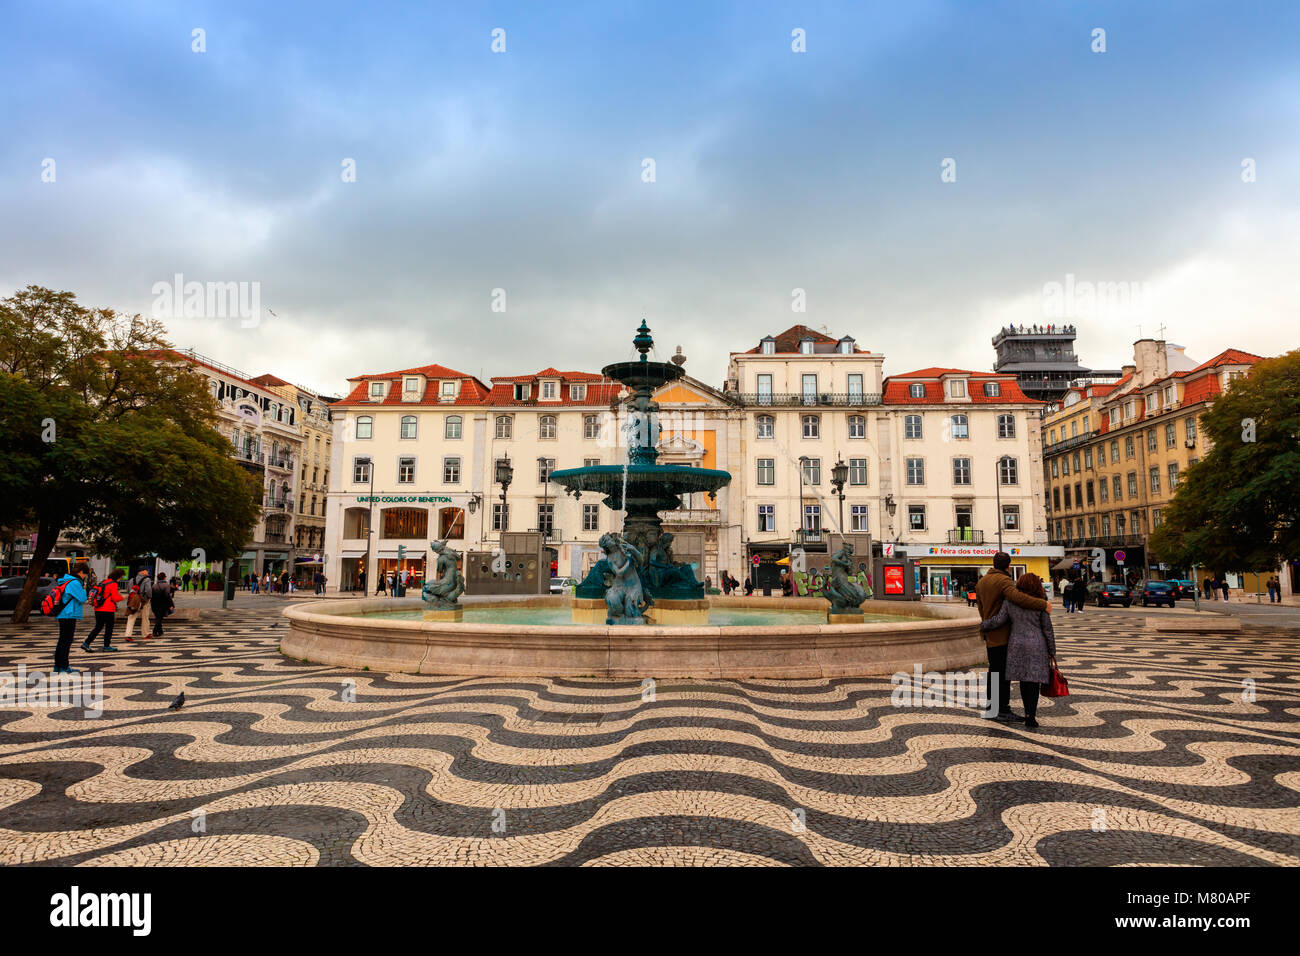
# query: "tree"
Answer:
x=1238 y=508
x=107 y=433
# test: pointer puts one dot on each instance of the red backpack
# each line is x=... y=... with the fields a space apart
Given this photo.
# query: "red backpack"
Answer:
x=56 y=599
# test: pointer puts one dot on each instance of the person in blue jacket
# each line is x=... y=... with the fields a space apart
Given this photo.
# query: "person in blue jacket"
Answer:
x=74 y=595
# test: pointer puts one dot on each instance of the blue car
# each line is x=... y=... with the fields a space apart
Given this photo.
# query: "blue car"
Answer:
x=1158 y=592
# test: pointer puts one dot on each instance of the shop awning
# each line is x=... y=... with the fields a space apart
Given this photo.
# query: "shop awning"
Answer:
x=354 y=554
x=1067 y=562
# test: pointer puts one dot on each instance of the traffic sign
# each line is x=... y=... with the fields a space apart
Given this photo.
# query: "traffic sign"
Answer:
x=1119 y=557
x=754 y=560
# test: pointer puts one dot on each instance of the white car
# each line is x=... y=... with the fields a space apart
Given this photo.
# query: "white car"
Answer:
x=563 y=585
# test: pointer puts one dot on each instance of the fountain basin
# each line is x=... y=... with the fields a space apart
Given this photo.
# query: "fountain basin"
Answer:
x=352 y=634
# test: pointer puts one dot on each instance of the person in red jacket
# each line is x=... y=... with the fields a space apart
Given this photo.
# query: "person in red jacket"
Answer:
x=105 y=597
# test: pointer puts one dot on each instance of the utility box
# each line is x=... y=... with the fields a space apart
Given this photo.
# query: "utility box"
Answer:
x=894 y=579
x=520 y=566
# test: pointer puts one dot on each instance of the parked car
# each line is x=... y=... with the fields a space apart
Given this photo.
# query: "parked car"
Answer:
x=11 y=588
x=563 y=585
x=1158 y=592
x=1185 y=588
x=1105 y=595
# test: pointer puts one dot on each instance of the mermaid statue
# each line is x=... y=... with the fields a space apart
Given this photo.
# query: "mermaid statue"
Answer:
x=443 y=589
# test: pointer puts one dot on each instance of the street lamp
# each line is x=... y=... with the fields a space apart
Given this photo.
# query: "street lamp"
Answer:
x=891 y=508
x=504 y=475
x=839 y=475
x=370 y=518
x=545 y=471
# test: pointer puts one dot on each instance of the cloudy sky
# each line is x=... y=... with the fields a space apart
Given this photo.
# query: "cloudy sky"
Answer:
x=773 y=170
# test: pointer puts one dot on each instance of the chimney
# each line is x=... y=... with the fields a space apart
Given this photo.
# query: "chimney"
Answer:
x=1151 y=359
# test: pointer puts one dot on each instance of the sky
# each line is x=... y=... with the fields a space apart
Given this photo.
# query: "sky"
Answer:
x=922 y=173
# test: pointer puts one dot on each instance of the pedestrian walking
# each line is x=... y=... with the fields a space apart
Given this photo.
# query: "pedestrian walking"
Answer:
x=1274 y=590
x=69 y=595
x=161 y=603
x=1031 y=644
x=1223 y=584
x=1079 y=595
x=137 y=604
x=104 y=598
x=1209 y=587
x=994 y=592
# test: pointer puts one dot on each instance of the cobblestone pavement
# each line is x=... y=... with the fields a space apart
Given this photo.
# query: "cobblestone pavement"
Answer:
x=1159 y=756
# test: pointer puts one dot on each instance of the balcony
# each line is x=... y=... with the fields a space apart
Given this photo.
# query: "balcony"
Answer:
x=277 y=504
x=679 y=516
x=809 y=399
x=965 y=536
x=549 y=535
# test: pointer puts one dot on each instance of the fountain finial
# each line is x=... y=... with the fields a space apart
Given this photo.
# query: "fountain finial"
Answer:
x=643 y=342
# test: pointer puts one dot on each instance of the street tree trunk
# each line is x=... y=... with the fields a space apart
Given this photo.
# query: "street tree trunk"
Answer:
x=46 y=537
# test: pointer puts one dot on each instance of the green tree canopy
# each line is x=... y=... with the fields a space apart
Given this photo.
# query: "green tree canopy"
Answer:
x=107 y=433
x=1238 y=508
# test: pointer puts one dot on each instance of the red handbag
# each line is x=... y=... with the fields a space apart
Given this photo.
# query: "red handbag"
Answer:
x=1056 y=685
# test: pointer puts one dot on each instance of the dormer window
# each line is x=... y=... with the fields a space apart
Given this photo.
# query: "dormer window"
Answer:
x=376 y=391
x=410 y=387
x=447 y=392
x=992 y=389
x=916 y=391
x=768 y=345
x=806 y=346
x=846 y=345
x=578 y=393
x=550 y=391
x=957 y=388
x=522 y=391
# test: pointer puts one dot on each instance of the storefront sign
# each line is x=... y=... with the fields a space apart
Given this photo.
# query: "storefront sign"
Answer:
x=364 y=499
x=984 y=551
x=894 y=579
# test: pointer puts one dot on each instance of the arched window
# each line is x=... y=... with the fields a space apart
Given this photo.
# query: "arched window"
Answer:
x=812 y=425
x=504 y=426
x=960 y=426
x=451 y=523
x=452 y=428
x=546 y=427
x=409 y=426
x=766 y=426
x=365 y=425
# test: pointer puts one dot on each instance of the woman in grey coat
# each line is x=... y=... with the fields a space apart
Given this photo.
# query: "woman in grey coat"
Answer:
x=1031 y=649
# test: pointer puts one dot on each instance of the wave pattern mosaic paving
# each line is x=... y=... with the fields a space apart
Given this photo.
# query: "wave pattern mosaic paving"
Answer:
x=1160 y=756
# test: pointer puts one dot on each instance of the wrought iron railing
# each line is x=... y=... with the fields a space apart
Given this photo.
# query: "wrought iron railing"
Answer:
x=809 y=399
x=965 y=536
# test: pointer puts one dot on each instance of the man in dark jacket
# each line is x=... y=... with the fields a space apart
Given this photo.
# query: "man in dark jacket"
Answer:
x=994 y=588
x=1079 y=593
x=160 y=602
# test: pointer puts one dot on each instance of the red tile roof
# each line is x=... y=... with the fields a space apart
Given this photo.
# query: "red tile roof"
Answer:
x=602 y=392
x=787 y=342
x=270 y=380
x=897 y=389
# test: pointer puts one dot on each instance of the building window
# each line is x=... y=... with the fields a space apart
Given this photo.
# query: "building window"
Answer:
x=544 y=468
x=1056 y=499
x=1153 y=402
x=405 y=471
x=1068 y=500
x=765 y=389
x=992 y=389
x=1191 y=429
x=1114 y=418
x=1152 y=444
x=451 y=471
x=546 y=427
x=504 y=426
x=916 y=517
x=1091 y=496
x=590 y=462
x=410 y=387
x=500 y=517
x=1103 y=489
x=1132 y=484
x=590 y=517
x=1105 y=526
x=1128 y=447
x=1011 y=517
x=961 y=471
x=857 y=471
x=858 y=518
x=1092 y=527
x=767 y=517
x=1154 y=476
x=365 y=426
x=960 y=427
x=766 y=471
x=522 y=391
x=1087 y=458
x=912 y=426
x=855 y=387
x=1065 y=464
x=805 y=346
x=812 y=519
x=1056 y=471
x=1114 y=452
x=809 y=387
x=590 y=426
x=1171 y=435
x=916 y=391
x=447 y=392
x=769 y=346
x=812 y=471
x=1077 y=469
x=857 y=426
x=957 y=388
x=812 y=425
x=360 y=471
x=578 y=393
x=1006 y=426
x=766 y=425
x=376 y=391
x=1009 y=471
x=1118 y=485
x=550 y=391
x=451 y=430
x=1173 y=475
x=916 y=471
x=546 y=518
x=1155 y=517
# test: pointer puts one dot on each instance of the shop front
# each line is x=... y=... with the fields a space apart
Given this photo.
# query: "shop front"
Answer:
x=763 y=567
x=411 y=562
x=952 y=570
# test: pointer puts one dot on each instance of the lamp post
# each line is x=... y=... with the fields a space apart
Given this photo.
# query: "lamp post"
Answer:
x=1119 y=526
x=891 y=508
x=504 y=475
x=545 y=471
x=839 y=475
x=370 y=518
